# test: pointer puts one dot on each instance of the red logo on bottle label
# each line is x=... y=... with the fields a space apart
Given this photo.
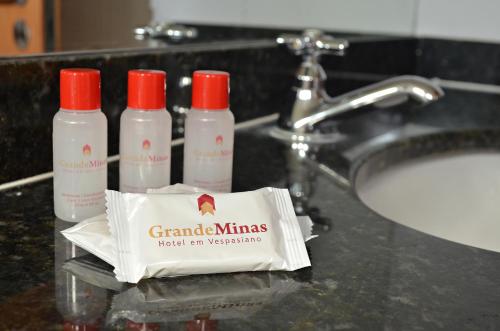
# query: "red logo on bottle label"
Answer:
x=87 y=150
x=219 y=140
x=146 y=144
x=206 y=204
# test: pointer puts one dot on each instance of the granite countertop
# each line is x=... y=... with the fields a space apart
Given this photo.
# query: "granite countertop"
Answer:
x=367 y=273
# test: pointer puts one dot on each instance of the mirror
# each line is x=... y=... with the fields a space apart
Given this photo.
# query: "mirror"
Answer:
x=29 y=27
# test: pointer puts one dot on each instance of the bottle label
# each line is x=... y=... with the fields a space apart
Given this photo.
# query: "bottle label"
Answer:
x=83 y=200
x=223 y=185
x=80 y=179
x=86 y=164
x=145 y=154
x=144 y=163
x=210 y=164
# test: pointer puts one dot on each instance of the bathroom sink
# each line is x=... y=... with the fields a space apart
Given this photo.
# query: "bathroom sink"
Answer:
x=446 y=185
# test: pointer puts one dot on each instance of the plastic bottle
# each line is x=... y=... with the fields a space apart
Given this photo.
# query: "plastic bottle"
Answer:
x=145 y=133
x=80 y=149
x=209 y=135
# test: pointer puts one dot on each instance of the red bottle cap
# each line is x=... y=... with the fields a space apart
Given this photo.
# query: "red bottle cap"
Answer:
x=210 y=90
x=146 y=89
x=80 y=89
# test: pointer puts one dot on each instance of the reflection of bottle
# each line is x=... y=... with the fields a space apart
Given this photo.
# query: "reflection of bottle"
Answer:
x=209 y=136
x=201 y=322
x=82 y=305
x=79 y=147
x=145 y=133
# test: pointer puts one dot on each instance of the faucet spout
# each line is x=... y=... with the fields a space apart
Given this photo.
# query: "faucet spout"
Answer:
x=396 y=89
x=309 y=103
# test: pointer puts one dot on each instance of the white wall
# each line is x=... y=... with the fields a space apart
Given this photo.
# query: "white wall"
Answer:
x=460 y=19
x=346 y=15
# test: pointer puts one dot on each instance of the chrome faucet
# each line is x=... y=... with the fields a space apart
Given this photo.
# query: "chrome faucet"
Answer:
x=312 y=104
x=172 y=31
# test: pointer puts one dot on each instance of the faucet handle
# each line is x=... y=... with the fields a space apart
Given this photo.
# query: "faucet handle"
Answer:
x=175 y=32
x=313 y=42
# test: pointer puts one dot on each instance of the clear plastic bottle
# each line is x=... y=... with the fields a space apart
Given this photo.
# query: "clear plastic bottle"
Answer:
x=80 y=148
x=145 y=133
x=209 y=133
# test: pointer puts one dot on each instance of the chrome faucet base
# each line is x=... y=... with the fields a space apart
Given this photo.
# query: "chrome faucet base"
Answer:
x=306 y=138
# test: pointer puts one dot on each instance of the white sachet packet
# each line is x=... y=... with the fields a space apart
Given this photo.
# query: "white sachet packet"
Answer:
x=305 y=222
x=160 y=235
x=178 y=188
x=94 y=236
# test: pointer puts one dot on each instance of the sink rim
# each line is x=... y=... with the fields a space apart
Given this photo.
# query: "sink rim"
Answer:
x=442 y=143
x=437 y=143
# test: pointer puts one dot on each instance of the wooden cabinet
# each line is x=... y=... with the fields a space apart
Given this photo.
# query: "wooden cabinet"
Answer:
x=39 y=26
x=22 y=27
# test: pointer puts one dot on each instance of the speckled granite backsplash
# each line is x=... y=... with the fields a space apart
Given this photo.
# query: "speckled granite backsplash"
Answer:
x=29 y=94
x=260 y=71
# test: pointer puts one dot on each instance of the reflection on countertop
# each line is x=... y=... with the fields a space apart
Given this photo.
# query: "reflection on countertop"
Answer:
x=187 y=301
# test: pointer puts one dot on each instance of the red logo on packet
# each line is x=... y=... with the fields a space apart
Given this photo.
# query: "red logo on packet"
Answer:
x=146 y=144
x=219 y=140
x=86 y=150
x=206 y=204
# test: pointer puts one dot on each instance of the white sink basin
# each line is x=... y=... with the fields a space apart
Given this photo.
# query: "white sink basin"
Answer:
x=455 y=196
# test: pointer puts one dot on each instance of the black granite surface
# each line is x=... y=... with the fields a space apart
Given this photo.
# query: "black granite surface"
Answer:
x=477 y=62
x=261 y=73
x=367 y=273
